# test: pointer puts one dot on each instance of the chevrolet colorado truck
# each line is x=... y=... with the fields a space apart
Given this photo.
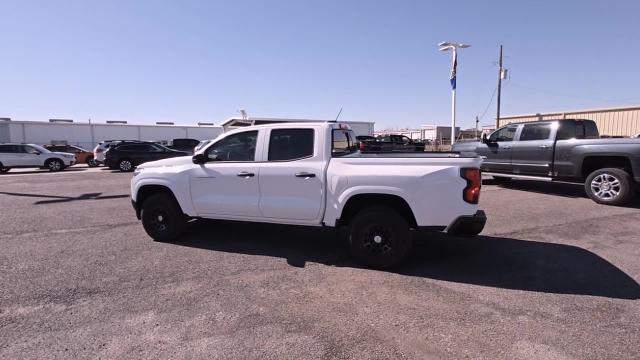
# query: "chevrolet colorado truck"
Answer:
x=312 y=174
x=568 y=150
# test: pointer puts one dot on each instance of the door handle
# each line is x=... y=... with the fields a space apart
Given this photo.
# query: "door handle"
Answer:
x=245 y=174
x=305 y=175
x=543 y=146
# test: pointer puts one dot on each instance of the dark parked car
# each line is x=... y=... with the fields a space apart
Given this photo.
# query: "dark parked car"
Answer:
x=562 y=150
x=127 y=155
x=391 y=143
x=82 y=156
x=187 y=145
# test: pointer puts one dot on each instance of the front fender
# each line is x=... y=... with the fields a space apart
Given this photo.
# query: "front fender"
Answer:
x=180 y=191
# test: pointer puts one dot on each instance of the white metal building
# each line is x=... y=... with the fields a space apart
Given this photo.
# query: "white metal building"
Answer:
x=88 y=135
x=426 y=132
x=358 y=127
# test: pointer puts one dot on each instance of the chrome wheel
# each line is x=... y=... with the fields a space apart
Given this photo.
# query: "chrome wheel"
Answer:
x=606 y=186
x=125 y=165
x=55 y=165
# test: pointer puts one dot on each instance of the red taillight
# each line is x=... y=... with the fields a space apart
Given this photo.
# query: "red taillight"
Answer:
x=471 y=193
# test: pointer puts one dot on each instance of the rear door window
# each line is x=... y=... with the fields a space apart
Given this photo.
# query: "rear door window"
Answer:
x=535 y=131
x=7 y=149
x=290 y=144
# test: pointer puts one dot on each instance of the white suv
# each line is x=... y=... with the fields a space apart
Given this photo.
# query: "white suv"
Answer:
x=32 y=156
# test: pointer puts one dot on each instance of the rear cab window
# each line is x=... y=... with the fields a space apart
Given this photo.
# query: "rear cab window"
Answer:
x=343 y=142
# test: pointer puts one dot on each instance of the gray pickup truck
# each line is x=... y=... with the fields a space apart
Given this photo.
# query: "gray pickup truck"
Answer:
x=569 y=150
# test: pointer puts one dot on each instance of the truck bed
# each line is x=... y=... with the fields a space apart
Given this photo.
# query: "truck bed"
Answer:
x=427 y=154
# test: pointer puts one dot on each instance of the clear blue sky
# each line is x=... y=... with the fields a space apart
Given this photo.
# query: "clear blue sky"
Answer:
x=189 y=61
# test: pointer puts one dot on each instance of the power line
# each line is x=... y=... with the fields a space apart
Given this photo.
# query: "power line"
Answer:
x=489 y=104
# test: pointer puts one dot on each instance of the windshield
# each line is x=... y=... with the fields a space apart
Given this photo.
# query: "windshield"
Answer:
x=40 y=148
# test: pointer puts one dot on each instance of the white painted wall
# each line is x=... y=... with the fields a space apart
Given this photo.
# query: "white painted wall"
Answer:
x=87 y=136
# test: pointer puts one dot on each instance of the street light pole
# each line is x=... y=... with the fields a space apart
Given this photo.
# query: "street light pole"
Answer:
x=444 y=46
x=453 y=105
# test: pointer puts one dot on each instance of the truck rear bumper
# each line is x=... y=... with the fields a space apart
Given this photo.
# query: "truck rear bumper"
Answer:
x=468 y=225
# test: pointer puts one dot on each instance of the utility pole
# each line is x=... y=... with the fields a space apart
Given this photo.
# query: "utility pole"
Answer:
x=499 y=88
x=477 y=127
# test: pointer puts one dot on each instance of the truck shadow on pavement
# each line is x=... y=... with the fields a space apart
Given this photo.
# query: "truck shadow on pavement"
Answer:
x=486 y=260
x=43 y=171
x=62 y=199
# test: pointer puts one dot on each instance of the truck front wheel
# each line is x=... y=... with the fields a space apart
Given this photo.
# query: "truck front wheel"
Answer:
x=162 y=218
x=379 y=237
x=610 y=186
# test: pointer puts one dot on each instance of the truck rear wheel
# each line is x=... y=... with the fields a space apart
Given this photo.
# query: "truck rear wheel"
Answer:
x=379 y=237
x=162 y=218
x=609 y=186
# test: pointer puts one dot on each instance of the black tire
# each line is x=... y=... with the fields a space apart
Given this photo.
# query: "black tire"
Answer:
x=379 y=237
x=54 y=165
x=4 y=170
x=91 y=162
x=162 y=218
x=125 y=165
x=501 y=179
x=609 y=186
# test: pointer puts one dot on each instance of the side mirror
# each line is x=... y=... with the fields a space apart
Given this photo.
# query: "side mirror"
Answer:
x=199 y=158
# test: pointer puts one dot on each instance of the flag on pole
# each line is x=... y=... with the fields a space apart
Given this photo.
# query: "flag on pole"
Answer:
x=453 y=70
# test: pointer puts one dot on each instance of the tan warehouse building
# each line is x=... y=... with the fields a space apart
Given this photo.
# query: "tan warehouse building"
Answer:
x=621 y=121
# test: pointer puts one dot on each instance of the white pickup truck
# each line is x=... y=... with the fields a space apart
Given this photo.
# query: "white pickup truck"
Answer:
x=312 y=174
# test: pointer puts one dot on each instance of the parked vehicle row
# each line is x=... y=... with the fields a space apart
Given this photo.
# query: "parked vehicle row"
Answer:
x=569 y=150
x=390 y=143
x=312 y=174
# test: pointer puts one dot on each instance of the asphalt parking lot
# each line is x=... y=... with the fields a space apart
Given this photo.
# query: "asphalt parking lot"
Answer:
x=554 y=276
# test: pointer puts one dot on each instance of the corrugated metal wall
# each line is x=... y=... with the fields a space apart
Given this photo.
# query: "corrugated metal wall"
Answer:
x=611 y=122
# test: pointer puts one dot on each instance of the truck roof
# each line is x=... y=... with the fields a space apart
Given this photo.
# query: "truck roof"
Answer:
x=331 y=124
x=548 y=120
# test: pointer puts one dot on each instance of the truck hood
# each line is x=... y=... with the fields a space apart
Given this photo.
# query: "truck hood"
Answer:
x=176 y=161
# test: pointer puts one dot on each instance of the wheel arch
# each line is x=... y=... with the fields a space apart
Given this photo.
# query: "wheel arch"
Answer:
x=591 y=163
x=147 y=190
x=357 y=202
